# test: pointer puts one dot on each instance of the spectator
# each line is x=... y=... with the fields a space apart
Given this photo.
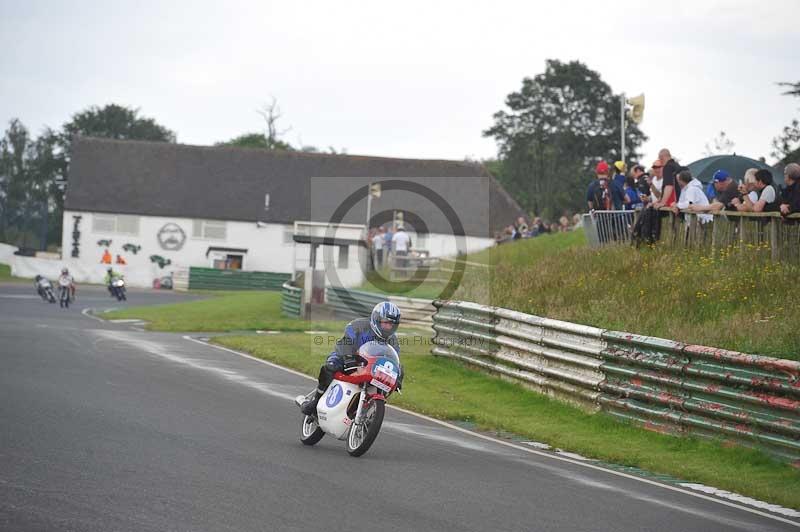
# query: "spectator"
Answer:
x=619 y=175
x=632 y=199
x=106 y=259
x=670 y=168
x=640 y=180
x=766 y=199
x=749 y=185
x=592 y=194
x=691 y=194
x=521 y=228
x=121 y=260
x=602 y=194
x=401 y=243
x=377 y=248
x=577 y=222
x=790 y=198
x=387 y=242
x=656 y=181
x=563 y=224
x=726 y=190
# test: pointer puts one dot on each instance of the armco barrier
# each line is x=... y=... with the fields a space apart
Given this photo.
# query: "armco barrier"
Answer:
x=661 y=385
x=351 y=304
x=213 y=279
x=556 y=358
x=291 y=300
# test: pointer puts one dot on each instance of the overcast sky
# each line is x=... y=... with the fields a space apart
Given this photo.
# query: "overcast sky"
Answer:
x=405 y=79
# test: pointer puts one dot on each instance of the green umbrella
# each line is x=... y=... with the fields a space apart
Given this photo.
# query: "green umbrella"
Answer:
x=735 y=165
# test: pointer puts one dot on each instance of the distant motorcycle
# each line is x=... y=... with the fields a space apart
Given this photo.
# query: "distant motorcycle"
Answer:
x=45 y=290
x=353 y=406
x=118 y=288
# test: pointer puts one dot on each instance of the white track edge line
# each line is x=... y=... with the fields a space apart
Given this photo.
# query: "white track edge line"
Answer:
x=520 y=448
x=86 y=313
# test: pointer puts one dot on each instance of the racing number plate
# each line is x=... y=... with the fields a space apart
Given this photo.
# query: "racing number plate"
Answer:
x=384 y=375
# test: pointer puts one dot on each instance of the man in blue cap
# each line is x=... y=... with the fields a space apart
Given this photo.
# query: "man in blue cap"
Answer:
x=726 y=189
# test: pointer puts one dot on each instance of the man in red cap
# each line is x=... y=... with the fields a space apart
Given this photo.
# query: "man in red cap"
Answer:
x=602 y=194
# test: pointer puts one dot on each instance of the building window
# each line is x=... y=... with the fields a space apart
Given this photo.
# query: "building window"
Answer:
x=115 y=223
x=209 y=229
x=343 y=254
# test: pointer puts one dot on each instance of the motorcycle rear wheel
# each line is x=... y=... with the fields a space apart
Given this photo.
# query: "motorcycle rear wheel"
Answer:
x=310 y=433
x=362 y=436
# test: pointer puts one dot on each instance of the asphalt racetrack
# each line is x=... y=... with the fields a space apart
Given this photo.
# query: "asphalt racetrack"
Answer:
x=106 y=427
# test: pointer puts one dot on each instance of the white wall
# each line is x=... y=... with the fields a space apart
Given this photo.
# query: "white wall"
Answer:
x=269 y=247
x=6 y=253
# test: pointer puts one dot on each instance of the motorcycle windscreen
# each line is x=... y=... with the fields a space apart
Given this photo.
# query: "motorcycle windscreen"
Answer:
x=386 y=369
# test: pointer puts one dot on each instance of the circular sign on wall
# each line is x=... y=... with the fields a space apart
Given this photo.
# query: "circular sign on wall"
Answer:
x=171 y=237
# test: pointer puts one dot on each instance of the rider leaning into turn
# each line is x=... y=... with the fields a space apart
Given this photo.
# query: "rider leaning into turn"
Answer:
x=380 y=327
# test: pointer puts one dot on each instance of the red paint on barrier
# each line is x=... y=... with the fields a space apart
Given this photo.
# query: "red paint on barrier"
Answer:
x=780 y=402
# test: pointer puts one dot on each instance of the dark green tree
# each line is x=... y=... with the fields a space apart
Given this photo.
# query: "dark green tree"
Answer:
x=256 y=140
x=115 y=122
x=786 y=146
x=28 y=173
x=555 y=128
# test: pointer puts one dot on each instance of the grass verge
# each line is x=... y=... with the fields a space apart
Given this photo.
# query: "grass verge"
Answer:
x=226 y=311
x=446 y=389
x=6 y=277
x=734 y=299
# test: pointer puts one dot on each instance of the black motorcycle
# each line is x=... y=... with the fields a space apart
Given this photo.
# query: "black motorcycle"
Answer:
x=118 y=288
x=45 y=291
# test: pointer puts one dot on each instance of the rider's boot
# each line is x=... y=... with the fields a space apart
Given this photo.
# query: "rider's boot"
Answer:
x=309 y=406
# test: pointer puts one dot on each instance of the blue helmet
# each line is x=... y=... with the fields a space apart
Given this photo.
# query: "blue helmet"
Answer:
x=384 y=319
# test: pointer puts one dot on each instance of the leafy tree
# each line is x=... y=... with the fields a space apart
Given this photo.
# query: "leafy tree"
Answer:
x=115 y=122
x=557 y=126
x=256 y=140
x=786 y=146
x=28 y=173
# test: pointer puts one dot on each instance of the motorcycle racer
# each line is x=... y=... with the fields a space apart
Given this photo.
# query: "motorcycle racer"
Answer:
x=380 y=326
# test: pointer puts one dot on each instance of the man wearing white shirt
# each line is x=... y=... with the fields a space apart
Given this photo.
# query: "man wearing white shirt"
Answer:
x=401 y=242
x=691 y=194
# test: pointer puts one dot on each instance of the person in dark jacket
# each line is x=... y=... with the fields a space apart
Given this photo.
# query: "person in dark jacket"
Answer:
x=790 y=197
x=380 y=326
x=670 y=190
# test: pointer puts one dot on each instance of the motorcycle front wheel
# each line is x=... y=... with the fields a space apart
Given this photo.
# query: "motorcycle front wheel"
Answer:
x=362 y=436
x=310 y=433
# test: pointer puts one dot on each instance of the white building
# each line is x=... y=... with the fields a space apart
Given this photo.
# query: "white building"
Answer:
x=161 y=206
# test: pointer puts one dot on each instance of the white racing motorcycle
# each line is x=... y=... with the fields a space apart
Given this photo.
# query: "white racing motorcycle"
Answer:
x=353 y=406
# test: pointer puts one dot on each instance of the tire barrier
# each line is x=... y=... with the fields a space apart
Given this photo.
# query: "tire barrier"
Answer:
x=660 y=385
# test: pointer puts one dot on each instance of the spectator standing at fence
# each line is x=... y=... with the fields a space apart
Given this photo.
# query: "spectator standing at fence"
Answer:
x=640 y=179
x=726 y=189
x=656 y=181
x=790 y=198
x=669 y=187
x=619 y=175
x=592 y=193
x=766 y=199
x=377 y=248
x=632 y=200
x=691 y=194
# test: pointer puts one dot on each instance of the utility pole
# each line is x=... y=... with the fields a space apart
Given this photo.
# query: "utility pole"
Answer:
x=622 y=126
